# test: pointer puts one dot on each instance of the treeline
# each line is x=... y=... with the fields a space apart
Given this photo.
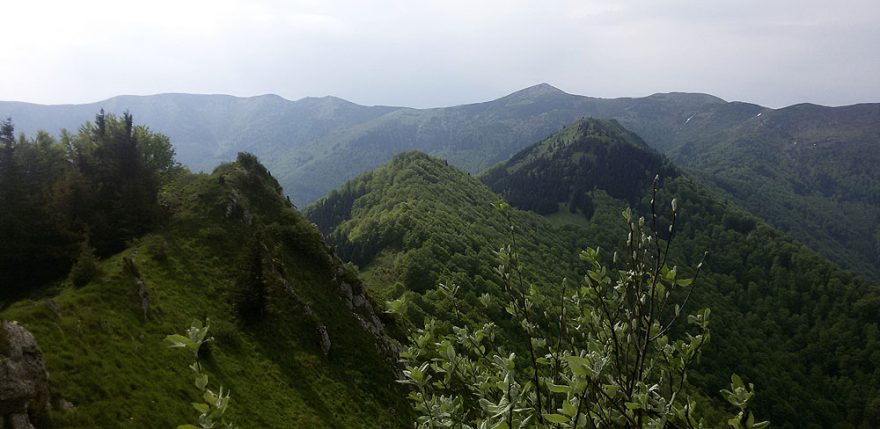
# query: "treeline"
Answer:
x=89 y=191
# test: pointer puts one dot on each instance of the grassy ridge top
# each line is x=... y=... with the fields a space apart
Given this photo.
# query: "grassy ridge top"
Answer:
x=109 y=360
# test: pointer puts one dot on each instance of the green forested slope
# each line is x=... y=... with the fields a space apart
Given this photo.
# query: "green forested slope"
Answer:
x=106 y=355
x=803 y=330
x=417 y=222
x=808 y=170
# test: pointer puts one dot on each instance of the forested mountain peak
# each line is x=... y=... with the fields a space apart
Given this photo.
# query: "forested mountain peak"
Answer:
x=762 y=286
x=561 y=169
x=419 y=203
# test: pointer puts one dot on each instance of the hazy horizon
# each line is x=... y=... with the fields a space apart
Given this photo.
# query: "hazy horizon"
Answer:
x=442 y=53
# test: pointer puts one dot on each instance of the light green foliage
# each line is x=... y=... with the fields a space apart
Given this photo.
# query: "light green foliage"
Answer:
x=739 y=396
x=213 y=405
x=599 y=354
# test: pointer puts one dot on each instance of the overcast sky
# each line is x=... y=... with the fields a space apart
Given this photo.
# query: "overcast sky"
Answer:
x=438 y=53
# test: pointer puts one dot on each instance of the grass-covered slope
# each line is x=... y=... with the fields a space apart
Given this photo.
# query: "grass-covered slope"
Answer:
x=417 y=222
x=802 y=329
x=109 y=360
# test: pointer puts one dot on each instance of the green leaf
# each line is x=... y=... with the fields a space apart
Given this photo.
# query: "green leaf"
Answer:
x=568 y=408
x=187 y=427
x=558 y=388
x=736 y=381
x=177 y=340
x=200 y=407
x=611 y=389
x=202 y=381
x=579 y=366
x=556 y=418
x=210 y=397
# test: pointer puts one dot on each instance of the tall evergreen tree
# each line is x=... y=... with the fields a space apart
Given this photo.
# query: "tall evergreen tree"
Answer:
x=251 y=292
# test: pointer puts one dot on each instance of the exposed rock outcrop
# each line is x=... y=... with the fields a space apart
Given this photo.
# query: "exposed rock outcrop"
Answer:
x=354 y=296
x=24 y=381
x=143 y=293
x=325 y=339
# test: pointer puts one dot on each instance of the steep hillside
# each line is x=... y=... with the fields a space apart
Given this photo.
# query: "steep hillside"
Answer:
x=808 y=170
x=417 y=222
x=103 y=342
x=783 y=316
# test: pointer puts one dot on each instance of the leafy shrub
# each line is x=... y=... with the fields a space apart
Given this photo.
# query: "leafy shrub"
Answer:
x=612 y=350
x=85 y=269
x=213 y=405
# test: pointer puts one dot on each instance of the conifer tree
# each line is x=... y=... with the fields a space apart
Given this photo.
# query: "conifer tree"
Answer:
x=251 y=291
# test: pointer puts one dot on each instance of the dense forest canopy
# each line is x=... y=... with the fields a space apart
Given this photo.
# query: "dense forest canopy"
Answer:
x=771 y=297
x=785 y=317
x=96 y=188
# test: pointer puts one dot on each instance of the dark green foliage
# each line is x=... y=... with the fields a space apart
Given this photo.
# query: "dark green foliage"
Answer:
x=85 y=269
x=35 y=242
x=101 y=183
x=600 y=351
x=251 y=290
x=583 y=156
x=783 y=316
x=121 y=182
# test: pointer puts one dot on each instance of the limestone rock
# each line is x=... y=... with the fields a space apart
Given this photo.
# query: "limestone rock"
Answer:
x=24 y=381
x=347 y=293
x=325 y=339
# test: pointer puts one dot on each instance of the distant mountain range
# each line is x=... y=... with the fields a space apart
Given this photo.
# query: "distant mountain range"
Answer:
x=809 y=170
x=782 y=315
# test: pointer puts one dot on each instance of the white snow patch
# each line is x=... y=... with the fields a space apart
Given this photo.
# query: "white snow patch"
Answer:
x=759 y=114
x=689 y=119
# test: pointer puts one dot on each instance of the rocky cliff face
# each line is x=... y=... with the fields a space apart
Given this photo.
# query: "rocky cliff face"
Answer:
x=24 y=381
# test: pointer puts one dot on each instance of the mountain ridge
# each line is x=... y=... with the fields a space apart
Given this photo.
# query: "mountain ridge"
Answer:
x=316 y=357
x=742 y=150
x=759 y=283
